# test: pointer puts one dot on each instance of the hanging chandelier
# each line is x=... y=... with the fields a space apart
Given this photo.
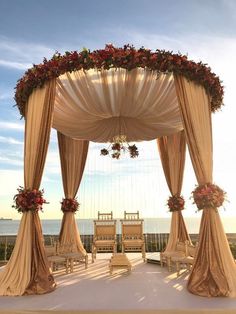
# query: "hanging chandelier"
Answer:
x=118 y=146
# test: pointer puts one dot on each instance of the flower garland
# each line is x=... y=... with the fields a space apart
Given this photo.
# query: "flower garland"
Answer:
x=28 y=200
x=175 y=203
x=69 y=205
x=208 y=196
x=126 y=57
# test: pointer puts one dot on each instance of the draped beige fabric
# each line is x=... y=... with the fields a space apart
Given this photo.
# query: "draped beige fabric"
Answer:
x=27 y=271
x=214 y=270
x=172 y=150
x=98 y=105
x=73 y=154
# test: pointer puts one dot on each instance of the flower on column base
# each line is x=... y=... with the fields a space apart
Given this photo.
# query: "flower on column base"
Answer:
x=208 y=196
x=69 y=205
x=175 y=203
x=28 y=200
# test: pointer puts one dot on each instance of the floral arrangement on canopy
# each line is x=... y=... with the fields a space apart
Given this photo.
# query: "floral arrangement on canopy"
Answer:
x=208 y=196
x=126 y=57
x=175 y=203
x=28 y=200
x=118 y=146
x=69 y=205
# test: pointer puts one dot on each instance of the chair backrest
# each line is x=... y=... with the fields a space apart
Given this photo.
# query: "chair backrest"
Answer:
x=131 y=216
x=181 y=247
x=105 y=230
x=105 y=216
x=132 y=231
x=191 y=250
x=50 y=250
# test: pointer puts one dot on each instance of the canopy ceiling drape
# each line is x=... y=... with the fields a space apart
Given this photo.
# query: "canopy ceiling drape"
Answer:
x=98 y=105
x=137 y=103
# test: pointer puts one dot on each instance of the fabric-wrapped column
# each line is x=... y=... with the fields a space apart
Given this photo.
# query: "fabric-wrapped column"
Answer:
x=214 y=269
x=73 y=154
x=27 y=271
x=172 y=150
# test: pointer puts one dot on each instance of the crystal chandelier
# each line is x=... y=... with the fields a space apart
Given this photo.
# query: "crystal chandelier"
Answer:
x=118 y=146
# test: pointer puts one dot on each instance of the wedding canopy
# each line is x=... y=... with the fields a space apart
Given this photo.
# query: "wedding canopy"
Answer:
x=96 y=96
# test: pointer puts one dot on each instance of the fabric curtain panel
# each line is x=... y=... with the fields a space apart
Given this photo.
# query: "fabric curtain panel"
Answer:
x=27 y=271
x=172 y=150
x=73 y=155
x=138 y=103
x=214 y=269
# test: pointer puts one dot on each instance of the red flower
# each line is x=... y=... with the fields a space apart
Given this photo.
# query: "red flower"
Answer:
x=69 y=205
x=27 y=200
x=111 y=57
x=175 y=203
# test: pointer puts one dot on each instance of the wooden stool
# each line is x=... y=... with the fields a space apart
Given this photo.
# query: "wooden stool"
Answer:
x=119 y=260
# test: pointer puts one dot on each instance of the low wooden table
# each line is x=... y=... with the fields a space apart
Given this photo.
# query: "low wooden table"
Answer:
x=119 y=260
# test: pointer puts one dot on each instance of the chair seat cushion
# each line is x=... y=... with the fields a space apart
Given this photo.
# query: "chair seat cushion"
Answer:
x=173 y=254
x=187 y=260
x=56 y=259
x=133 y=242
x=104 y=242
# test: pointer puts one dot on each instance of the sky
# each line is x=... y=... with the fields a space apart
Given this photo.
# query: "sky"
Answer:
x=31 y=30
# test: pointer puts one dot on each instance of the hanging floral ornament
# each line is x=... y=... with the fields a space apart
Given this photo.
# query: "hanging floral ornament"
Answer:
x=175 y=203
x=119 y=146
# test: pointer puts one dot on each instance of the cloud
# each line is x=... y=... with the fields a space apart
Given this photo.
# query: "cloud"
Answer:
x=10 y=140
x=11 y=161
x=9 y=181
x=20 y=55
x=15 y=65
x=11 y=126
x=6 y=95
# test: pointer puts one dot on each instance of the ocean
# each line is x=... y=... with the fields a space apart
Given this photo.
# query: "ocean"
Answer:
x=151 y=225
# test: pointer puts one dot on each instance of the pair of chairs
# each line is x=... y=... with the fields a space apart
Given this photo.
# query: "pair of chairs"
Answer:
x=181 y=257
x=61 y=258
x=105 y=239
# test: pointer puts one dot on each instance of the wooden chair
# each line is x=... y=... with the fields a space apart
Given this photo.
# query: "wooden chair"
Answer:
x=56 y=261
x=132 y=234
x=185 y=261
x=73 y=257
x=104 y=239
x=166 y=257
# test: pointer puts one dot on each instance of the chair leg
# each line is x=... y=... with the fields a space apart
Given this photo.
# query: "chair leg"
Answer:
x=143 y=253
x=161 y=259
x=93 y=253
x=178 y=268
x=168 y=260
x=71 y=265
x=86 y=261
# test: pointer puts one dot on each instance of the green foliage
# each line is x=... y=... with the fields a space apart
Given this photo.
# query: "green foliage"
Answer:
x=233 y=249
x=5 y=253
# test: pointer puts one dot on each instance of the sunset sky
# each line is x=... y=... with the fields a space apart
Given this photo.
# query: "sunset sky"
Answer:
x=31 y=30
